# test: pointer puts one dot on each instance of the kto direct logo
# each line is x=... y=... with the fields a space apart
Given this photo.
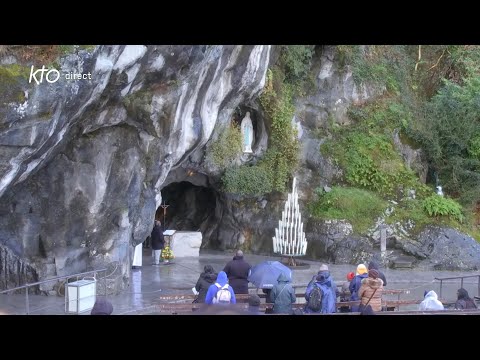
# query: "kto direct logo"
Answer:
x=52 y=75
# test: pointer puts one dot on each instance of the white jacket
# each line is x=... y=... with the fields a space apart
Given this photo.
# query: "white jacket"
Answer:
x=431 y=302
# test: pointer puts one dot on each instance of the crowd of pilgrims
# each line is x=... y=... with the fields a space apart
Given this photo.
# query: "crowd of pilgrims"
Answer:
x=365 y=284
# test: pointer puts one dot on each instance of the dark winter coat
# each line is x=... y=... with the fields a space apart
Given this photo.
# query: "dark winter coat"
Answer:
x=158 y=241
x=381 y=275
x=464 y=301
x=283 y=295
x=204 y=281
x=237 y=271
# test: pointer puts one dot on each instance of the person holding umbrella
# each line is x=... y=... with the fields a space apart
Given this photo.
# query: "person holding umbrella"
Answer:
x=264 y=276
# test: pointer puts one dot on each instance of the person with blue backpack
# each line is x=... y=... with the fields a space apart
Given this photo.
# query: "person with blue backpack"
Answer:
x=356 y=283
x=321 y=293
x=220 y=293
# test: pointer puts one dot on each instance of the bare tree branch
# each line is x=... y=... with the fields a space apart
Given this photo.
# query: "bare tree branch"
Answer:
x=419 y=56
x=438 y=60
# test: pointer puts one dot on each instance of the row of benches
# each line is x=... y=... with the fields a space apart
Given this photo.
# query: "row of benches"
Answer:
x=176 y=308
x=262 y=295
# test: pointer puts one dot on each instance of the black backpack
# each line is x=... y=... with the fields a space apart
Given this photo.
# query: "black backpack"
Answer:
x=315 y=300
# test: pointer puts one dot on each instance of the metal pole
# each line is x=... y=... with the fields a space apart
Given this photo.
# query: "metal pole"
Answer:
x=478 y=286
x=26 y=301
x=461 y=283
x=441 y=283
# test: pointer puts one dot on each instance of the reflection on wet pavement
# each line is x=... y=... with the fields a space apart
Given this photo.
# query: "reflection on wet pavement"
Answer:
x=149 y=282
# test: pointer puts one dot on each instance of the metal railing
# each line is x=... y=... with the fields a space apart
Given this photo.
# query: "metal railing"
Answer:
x=66 y=278
x=461 y=282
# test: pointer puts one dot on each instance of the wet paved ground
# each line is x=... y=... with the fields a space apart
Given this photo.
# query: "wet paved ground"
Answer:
x=149 y=282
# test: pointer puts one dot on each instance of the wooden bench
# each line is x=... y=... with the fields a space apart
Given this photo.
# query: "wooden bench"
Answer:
x=188 y=307
x=244 y=297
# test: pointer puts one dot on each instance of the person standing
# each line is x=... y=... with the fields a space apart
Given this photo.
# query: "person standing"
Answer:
x=238 y=271
x=158 y=242
x=374 y=265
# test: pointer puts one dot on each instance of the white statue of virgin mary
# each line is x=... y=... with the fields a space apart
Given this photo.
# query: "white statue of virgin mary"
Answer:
x=247 y=133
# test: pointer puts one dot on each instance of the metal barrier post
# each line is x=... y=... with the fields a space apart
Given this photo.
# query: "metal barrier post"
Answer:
x=478 y=286
x=27 y=305
x=461 y=283
x=441 y=283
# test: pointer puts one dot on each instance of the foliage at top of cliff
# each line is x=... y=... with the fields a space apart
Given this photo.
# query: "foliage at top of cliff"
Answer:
x=432 y=97
x=44 y=54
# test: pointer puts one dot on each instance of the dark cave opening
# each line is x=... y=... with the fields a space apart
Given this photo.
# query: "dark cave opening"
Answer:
x=190 y=207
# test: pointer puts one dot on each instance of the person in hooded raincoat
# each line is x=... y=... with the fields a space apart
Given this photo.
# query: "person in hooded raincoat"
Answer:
x=329 y=291
x=283 y=295
x=222 y=280
x=431 y=302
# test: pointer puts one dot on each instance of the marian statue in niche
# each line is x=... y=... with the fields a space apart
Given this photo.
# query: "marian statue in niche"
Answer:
x=247 y=133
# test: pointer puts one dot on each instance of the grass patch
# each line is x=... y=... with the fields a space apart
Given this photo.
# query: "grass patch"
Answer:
x=359 y=207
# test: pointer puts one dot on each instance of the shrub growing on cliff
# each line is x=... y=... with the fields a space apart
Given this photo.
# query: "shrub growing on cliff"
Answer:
x=370 y=161
x=296 y=61
x=247 y=180
x=227 y=147
x=281 y=158
x=437 y=205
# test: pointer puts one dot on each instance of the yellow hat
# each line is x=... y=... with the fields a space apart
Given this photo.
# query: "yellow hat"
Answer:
x=361 y=269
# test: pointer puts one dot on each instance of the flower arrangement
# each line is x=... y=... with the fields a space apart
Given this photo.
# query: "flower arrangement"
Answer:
x=167 y=253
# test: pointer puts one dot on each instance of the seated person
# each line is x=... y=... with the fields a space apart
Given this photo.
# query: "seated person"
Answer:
x=102 y=307
x=464 y=301
x=370 y=292
x=430 y=302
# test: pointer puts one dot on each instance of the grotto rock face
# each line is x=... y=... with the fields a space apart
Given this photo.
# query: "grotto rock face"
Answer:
x=83 y=162
x=443 y=249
